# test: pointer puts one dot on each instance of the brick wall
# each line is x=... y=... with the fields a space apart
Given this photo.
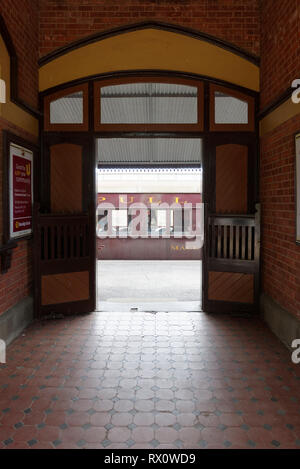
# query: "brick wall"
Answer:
x=280 y=47
x=21 y=19
x=16 y=284
x=62 y=22
x=280 y=254
x=280 y=64
x=236 y=21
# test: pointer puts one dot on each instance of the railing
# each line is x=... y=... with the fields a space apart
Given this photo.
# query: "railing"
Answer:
x=233 y=241
x=64 y=249
x=63 y=242
x=63 y=238
x=232 y=237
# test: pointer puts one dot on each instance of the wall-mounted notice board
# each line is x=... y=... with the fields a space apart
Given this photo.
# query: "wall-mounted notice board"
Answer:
x=18 y=187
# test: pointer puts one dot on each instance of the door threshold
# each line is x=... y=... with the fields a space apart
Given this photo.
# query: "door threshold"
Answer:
x=124 y=305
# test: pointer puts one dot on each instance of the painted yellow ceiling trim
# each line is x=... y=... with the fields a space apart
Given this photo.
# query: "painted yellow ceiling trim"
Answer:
x=150 y=49
x=281 y=114
x=10 y=111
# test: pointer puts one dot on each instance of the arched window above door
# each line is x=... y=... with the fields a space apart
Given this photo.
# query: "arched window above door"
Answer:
x=230 y=110
x=147 y=104
x=67 y=109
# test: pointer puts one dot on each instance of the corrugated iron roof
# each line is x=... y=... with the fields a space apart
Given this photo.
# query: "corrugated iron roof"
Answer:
x=149 y=150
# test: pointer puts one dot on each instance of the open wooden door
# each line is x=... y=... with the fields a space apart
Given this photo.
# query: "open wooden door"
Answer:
x=65 y=228
x=232 y=226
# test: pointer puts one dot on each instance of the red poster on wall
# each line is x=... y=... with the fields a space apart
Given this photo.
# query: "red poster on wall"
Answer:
x=20 y=191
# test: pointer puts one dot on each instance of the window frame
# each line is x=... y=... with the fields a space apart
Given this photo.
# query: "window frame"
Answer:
x=231 y=127
x=84 y=126
x=196 y=127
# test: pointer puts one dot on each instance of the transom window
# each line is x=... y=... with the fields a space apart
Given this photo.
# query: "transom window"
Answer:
x=67 y=109
x=146 y=104
x=230 y=110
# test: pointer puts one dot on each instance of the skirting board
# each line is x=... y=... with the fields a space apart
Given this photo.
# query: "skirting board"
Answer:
x=282 y=323
x=14 y=320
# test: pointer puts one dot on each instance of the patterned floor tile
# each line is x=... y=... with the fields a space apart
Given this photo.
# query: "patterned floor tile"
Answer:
x=138 y=380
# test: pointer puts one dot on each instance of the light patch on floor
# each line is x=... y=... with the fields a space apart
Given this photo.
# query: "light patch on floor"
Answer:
x=149 y=285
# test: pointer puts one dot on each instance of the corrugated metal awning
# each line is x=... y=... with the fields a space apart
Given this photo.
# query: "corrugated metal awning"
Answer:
x=149 y=150
x=149 y=103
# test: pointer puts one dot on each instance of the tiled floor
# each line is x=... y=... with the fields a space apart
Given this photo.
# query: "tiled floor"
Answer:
x=142 y=380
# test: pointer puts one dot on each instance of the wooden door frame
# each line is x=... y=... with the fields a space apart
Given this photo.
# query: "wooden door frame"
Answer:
x=88 y=201
x=88 y=137
x=214 y=139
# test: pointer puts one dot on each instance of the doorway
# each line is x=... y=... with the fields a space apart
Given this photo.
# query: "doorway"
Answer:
x=147 y=122
x=152 y=257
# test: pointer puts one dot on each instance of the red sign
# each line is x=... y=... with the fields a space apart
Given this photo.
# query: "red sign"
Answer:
x=20 y=192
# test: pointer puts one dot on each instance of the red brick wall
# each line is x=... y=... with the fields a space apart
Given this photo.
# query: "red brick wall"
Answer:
x=62 y=22
x=17 y=282
x=236 y=21
x=21 y=19
x=280 y=47
x=280 y=65
x=280 y=254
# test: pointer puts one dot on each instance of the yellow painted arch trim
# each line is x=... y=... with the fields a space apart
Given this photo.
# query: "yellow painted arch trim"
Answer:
x=10 y=111
x=147 y=49
x=281 y=114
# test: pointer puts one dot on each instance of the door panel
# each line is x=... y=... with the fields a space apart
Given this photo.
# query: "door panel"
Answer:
x=66 y=178
x=231 y=286
x=65 y=228
x=231 y=274
x=231 y=178
x=64 y=288
x=232 y=226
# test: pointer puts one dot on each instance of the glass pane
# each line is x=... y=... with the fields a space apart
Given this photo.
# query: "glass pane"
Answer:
x=149 y=150
x=230 y=110
x=119 y=218
x=161 y=216
x=67 y=110
x=161 y=221
x=149 y=103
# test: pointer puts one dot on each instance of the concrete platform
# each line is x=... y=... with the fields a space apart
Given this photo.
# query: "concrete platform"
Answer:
x=149 y=285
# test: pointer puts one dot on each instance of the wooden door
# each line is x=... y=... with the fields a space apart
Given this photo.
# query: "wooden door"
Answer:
x=232 y=225
x=65 y=228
